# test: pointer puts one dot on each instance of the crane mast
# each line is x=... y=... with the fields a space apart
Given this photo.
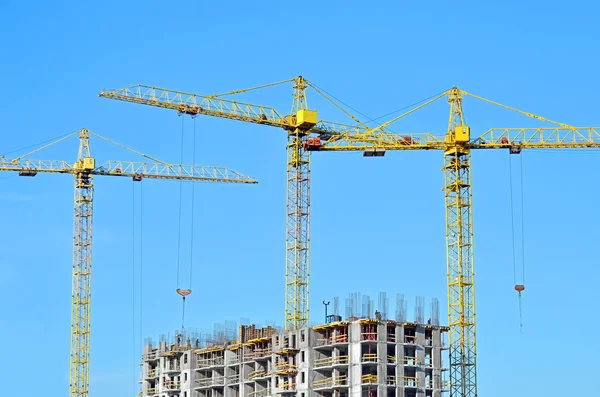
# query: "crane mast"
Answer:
x=82 y=269
x=459 y=252
x=298 y=212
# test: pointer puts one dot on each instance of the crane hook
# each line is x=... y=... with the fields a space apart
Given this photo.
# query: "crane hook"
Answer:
x=520 y=288
x=184 y=292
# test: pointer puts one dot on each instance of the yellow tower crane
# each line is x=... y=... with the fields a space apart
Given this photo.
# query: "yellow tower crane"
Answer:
x=298 y=125
x=456 y=145
x=84 y=169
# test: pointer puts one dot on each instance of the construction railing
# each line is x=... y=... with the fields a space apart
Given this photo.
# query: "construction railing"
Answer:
x=390 y=380
x=151 y=356
x=247 y=356
x=286 y=386
x=369 y=379
x=342 y=338
x=331 y=382
x=260 y=353
x=391 y=335
x=259 y=373
x=209 y=362
x=171 y=385
x=410 y=339
x=172 y=367
x=151 y=391
x=152 y=373
x=235 y=378
x=339 y=338
x=172 y=352
x=410 y=361
x=446 y=385
x=218 y=380
x=329 y=361
x=259 y=393
x=369 y=357
x=409 y=381
x=368 y=331
x=286 y=346
x=203 y=382
x=284 y=367
x=391 y=359
x=368 y=335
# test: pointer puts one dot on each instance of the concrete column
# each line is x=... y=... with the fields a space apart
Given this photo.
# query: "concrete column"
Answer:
x=354 y=356
x=186 y=373
x=420 y=354
x=382 y=360
x=303 y=338
x=436 y=352
x=399 y=360
x=145 y=365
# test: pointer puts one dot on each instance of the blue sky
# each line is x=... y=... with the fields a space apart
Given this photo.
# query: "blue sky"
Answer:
x=377 y=224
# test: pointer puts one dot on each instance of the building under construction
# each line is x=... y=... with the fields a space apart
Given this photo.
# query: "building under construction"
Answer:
x=360 y=356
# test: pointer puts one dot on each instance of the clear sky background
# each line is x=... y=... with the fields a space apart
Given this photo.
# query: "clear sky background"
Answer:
x=377 y=224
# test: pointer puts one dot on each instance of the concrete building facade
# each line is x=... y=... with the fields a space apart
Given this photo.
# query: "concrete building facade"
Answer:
x=359 y=358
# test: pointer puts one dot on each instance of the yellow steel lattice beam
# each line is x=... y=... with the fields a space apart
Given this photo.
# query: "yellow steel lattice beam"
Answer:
x=130 y=169
x=194 y=104
x=493 y=138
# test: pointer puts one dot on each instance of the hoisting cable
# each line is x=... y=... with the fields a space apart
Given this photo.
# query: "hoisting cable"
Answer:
x=512 y=220
x=133 y=344
x=140 y=275
x=186 y=292
x=522 y=218
x=518 y=287
x=180 y=206
x=180 y=291
x=193 y=202
x=141 y=262
x=522 y=244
